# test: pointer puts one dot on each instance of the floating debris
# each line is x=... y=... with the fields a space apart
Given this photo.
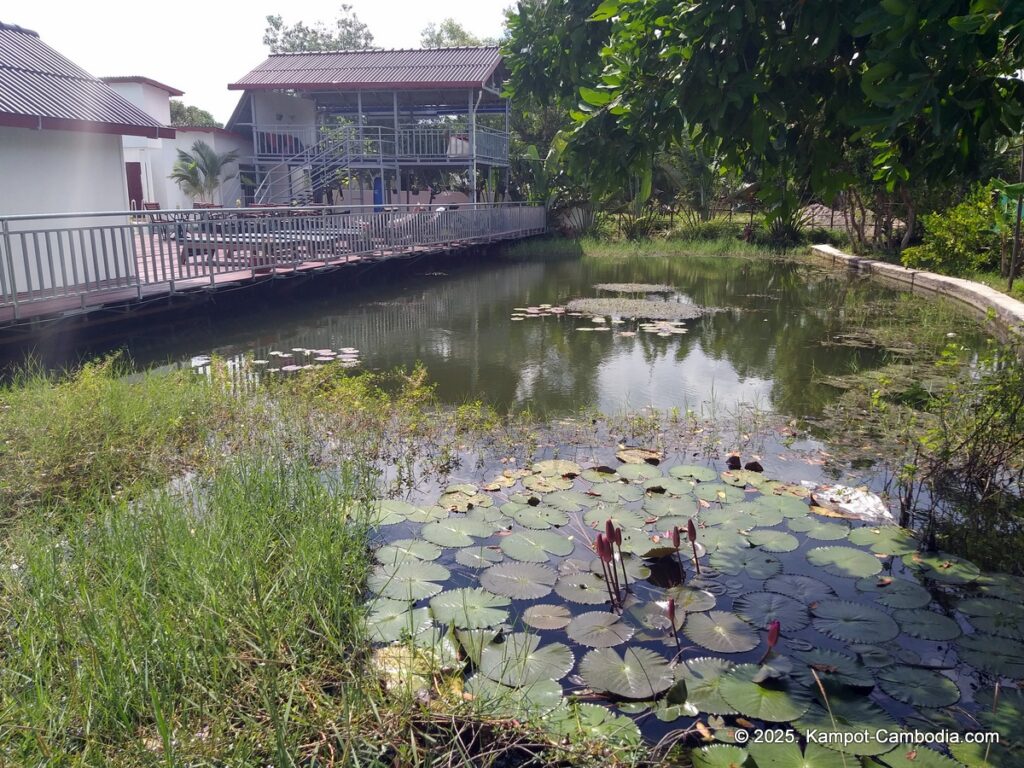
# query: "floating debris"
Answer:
x=634 y=288
x=639 y=308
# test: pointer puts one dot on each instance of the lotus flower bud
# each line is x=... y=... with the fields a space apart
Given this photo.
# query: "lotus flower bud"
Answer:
x=604 y=550
x=672 y=612
x=609 y=531
x=691 y=531
x=618 y=537
x=773 y=633
x=675 y=537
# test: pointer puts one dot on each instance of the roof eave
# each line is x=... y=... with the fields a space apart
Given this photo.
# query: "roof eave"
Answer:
x=39 y=123
x=403 y=86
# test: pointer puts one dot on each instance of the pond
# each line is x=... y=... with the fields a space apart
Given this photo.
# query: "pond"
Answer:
x=781 y=330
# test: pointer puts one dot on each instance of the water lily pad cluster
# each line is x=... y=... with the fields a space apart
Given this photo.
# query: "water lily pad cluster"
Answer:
x=634 y=288
x=813 y=624
x=301 y=358
x=641 y=309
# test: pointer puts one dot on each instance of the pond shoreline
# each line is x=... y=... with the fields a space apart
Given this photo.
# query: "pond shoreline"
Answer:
x=1005 y=312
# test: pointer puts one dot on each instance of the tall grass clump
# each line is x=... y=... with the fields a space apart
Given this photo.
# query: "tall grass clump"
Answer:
x=73 y=440
x=219 y=625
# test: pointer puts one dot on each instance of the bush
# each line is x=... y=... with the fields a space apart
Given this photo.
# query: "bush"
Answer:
x=716 y=229
x=959 y=240
x=825 y=236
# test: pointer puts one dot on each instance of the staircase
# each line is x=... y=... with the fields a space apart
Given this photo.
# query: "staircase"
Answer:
x=312 y=170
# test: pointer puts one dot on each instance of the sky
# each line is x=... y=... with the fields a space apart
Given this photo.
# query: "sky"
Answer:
x=199 y=46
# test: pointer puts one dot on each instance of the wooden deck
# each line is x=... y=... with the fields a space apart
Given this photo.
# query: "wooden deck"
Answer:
x=125 y=264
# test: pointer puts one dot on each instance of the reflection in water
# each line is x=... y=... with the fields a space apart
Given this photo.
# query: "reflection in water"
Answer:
x=764 y=348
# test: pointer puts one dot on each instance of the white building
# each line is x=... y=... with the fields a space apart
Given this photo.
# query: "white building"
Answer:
x=61 y=131
x=148 y=162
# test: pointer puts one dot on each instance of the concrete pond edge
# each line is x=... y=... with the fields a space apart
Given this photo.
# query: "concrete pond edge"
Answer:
x=1004 y=312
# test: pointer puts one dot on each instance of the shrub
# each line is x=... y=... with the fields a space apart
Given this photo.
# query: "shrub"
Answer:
x=716 y=229
x=825 y=236
x=959 y=240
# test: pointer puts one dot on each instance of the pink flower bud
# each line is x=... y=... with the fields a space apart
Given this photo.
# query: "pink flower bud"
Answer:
x=672 y=612
x=691 y=531
x=675 y=537
x=609 y=530
x=773 y=633
x=618 y=537
x=603 y=548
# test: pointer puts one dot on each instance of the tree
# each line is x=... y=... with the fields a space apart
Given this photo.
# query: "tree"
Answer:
x=184 y=116
x=349 y=34
x=200 y=172
x=784 y=87
x=450 y=34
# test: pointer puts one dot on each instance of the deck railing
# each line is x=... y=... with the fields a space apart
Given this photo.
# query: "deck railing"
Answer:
x=76 y=260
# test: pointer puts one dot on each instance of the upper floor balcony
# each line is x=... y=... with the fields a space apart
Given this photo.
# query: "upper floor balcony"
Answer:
x=373 y=145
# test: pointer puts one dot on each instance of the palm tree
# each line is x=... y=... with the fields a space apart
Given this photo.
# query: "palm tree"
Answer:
x=198 y=172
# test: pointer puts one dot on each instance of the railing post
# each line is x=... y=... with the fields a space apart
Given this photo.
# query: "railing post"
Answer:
x=5 y=227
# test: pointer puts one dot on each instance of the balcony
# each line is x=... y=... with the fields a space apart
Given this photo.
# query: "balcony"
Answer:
x=370 y=145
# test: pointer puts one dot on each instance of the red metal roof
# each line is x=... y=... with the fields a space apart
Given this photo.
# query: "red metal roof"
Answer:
x=144 y=81
x=435 y=68
x=40 y=88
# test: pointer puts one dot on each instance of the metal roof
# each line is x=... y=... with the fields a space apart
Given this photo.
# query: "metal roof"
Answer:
x=41 y=89
x=144 y=81
x=435 y=68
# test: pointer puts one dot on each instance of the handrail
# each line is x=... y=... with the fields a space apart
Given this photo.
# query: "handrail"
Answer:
x=58 y=262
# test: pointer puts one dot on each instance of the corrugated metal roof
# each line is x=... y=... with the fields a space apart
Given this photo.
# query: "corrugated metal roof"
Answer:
x=40 y=88
x=374 y=69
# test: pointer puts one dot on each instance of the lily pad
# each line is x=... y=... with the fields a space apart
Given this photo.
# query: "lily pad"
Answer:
x=558 y=468
x=762 y=608
x=992 y=654
x=918 y=756
x=853 y=622
x=720 y=631
x=844 y=561
x=536 y=546
x=849 y=725
x=546 y=484
x=691 y=599
x=582 y=587
x=885 y=540
x=478 y=557
x=523 y=703
x=783 y=754
x=473 y=641
x=672 y=486
x=719 y=492
x=469 y=608
x=751 y=562
x=694 y=472
x=408 y=580
x=819 y=530
x=918 y=687
x=927 y=625
x=831 y=666
x=943 y=567
x=569 y=501
x=732 y=515
x=455 y=531
x=803 y=588
x=391 y=511
x=719 y=756
x=773 y=541
x=664 y=506
x=620 y=517
x=599 y=629
x=547 y=616
x=520 y=581
x=638 y=673
x=540 y=517
x=743 y=477
x=522 y=660
x=787 y=506
x=703 y=677
x=638 y=472
x=617 y=492
x=589 y=721
x=774 y=701
x=895 y=593
x=407 y=549
x=390 y=620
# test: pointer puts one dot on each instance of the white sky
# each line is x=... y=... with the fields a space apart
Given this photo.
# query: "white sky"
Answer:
x=199 y=46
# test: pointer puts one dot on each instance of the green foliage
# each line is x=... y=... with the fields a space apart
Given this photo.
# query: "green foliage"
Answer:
x=349 y=34
x=97 y=434
x=450 y=34
x=207 y=627
x=200 y=172
x=185 y=115
x=960 y=240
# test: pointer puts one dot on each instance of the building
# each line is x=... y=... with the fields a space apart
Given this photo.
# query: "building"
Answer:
x=149 y=162
x=376 y=127
x=60 y=131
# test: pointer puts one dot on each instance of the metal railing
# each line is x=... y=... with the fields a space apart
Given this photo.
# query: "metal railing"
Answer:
x=57 y=263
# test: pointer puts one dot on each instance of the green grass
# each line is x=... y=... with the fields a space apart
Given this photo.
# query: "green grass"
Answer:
x=177 y=631
x=564 y=247
x=76 y=441
x=997 y=281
